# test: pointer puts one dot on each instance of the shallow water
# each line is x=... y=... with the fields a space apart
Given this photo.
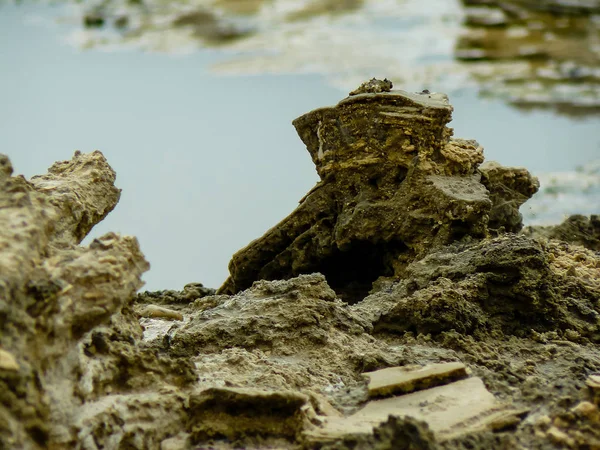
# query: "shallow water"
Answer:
x=204 y=148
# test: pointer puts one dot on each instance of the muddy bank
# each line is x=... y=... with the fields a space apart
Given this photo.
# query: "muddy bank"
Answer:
x=401 y=305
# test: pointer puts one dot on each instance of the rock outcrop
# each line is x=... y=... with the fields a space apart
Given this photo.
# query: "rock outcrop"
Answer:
x=511 y=285
x=394 y=185
x=472 y=336
x=67 y=331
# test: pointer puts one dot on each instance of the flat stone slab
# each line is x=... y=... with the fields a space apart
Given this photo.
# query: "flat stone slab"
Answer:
x=237 y=412
x=159 y=312
x=451 y=410
x=406 y=379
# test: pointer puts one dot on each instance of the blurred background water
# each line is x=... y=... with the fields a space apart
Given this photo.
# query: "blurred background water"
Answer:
x=192 y=102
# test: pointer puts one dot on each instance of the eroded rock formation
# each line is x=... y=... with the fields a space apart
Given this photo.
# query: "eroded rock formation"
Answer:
x=472 y=337
x=576 y=229
x=394 y=185
x=66 y=328
x=535 y=54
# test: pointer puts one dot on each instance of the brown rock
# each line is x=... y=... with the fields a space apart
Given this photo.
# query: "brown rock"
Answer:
x=394 y=185
x=235 y=413
x=403 y=380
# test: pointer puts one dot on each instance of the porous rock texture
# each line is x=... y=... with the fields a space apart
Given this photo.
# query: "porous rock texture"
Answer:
x=576 y=229
x=86 y=363
x=394 y=184
x=66 y=325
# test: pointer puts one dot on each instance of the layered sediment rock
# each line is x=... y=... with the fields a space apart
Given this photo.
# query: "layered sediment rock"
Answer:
x=394 y=185
x=509 y=285
x=67 y=333
x=472 y=337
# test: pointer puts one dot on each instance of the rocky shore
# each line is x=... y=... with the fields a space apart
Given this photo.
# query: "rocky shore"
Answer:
x=400 y=306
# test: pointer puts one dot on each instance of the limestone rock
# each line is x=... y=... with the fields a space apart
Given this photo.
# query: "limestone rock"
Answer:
x=53 y=293
x=190 y=293
x=511 y=284
x=235 y=413
x=394 y=185
x=579 y=427
x=129 y=421
x=406 y=379
x=249 y=339
x=281 y=364
x=509 y=188
x=450 y=410
x=373 y=86
x=159 y=312
x=288 y=335
x=397 y=433
x=272 y=316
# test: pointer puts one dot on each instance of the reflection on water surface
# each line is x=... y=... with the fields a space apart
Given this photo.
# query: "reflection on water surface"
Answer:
x=536 y=54
x=529 y=53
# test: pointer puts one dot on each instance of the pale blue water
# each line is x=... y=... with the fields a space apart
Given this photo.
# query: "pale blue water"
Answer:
x=207 y=162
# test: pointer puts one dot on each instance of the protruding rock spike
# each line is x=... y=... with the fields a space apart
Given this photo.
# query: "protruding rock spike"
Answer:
x=83 y=192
